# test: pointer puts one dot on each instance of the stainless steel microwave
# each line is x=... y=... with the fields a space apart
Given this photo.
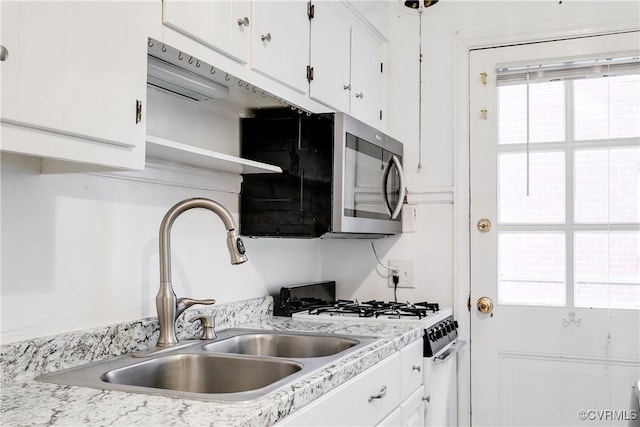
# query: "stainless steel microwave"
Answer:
x=341 y=177
x=368 y=181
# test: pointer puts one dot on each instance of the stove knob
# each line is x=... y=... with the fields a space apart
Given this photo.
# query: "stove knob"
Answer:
x=455 y=322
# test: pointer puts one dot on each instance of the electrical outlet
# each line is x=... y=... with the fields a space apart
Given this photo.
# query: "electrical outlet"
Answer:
x=405 y=271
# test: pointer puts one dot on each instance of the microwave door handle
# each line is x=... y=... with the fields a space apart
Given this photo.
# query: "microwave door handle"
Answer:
x=385 y=177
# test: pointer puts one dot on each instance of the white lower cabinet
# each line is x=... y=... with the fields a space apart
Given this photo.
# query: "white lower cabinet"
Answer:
x=375 y=397
x=412 y=409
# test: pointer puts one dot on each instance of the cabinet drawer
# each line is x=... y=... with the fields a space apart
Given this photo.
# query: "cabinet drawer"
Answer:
x=411 y=369
x=351 y=403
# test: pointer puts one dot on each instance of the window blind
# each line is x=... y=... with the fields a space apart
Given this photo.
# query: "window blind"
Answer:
x=570 y=70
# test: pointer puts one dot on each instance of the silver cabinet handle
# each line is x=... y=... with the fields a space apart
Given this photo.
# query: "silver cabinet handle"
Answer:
x=382 y=393
x=347 y=87
x=4 y=53
x=243 y=22
x=360 y=95
x=416 y=368
x=266 y=37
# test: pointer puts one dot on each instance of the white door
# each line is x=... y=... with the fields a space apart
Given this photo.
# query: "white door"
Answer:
x=555 y=163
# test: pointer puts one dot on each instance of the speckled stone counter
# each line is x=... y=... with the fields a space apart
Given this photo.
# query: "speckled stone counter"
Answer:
x=29 y=402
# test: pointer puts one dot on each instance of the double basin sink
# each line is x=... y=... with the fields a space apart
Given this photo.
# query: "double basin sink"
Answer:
x=239 y=365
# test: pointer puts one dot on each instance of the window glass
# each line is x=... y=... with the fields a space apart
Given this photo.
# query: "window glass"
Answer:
x=545 y=202
x=546 y=113
x=531 y=269
x=607 y=269
x=607 y=107
x=606 y=185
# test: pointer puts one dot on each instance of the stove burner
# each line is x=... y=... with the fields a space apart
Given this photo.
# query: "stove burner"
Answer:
x=433 y=306
x=373 y=308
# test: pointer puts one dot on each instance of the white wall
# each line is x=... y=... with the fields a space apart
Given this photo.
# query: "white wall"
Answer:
x=81 y=250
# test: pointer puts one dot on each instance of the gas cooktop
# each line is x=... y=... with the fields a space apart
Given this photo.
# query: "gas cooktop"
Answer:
x=371 y=308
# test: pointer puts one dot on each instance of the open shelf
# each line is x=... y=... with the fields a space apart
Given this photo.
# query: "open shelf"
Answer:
x=183 y=154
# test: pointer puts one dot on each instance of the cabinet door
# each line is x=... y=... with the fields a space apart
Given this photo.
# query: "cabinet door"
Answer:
x=366 y=77
x=413 y=409
x=222 y=25
x=9 y=30
x=411 y=368
x=76 y=82
x=366 y=399
x=392 y=420
x=330 y=56
x=193 y=18
x=280 y=42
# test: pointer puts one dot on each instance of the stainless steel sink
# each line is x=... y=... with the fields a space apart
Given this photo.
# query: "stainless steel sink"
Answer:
x=203 y=373
x=239 y=365
x=283 y=345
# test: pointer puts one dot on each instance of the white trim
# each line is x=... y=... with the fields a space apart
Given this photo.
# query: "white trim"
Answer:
x=461 y=222
x=493 y=39
x=431 y=196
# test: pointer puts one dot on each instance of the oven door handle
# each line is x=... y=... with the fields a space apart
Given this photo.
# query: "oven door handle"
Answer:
x=393 y=161
x=450 y=352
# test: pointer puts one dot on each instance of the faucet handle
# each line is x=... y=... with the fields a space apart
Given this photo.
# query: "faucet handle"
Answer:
x=208 y=326
x=183 y=303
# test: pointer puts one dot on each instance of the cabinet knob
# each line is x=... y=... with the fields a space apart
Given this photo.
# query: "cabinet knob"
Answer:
x=416 y=368
x=243 y=22
x=4 y=53
x=266 y=37
x=360 y=95
x=347 y=87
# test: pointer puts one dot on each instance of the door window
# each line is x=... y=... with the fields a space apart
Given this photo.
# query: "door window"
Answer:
x=568 y=162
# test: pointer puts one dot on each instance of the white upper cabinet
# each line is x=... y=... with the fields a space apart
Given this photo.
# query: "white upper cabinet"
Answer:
x=367 y=85
x=280 y=41
x=347 y=63
x=331 y=56
x=73 y=87
x=222 y=25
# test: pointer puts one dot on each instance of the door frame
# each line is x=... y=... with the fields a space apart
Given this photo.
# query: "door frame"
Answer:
x=463 y=43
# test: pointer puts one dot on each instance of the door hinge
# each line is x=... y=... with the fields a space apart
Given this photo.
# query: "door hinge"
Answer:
x=138 y=111
x=309 y=73
x=311 y=10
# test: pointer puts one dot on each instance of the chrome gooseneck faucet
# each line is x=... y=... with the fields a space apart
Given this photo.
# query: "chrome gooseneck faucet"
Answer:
x=169 y=307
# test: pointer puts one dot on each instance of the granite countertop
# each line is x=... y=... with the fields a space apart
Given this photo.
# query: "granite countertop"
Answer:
x=29 y=402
